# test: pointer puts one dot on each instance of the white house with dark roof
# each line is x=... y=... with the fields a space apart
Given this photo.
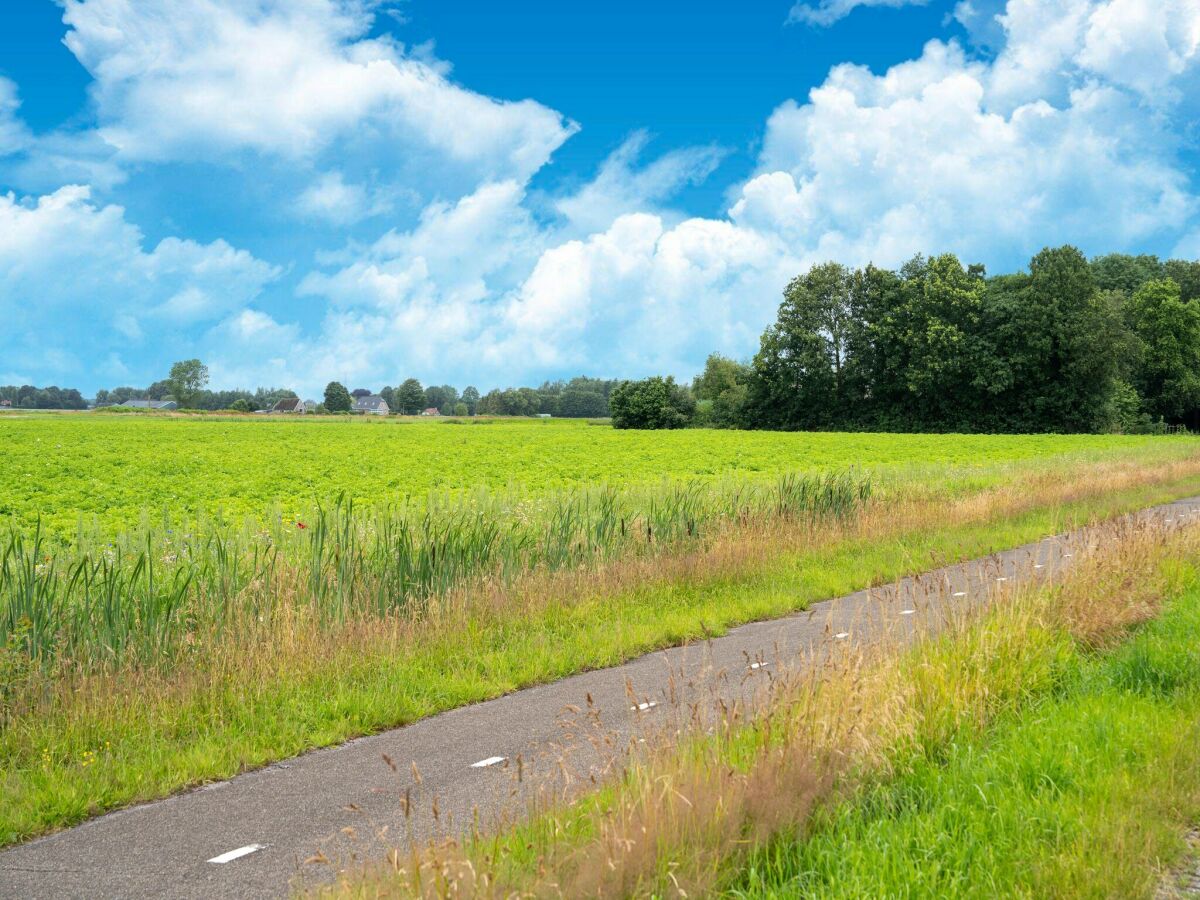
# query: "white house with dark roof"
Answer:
x=371 y=405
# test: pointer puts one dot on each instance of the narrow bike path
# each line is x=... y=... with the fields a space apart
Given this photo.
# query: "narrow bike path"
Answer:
x=253 y=835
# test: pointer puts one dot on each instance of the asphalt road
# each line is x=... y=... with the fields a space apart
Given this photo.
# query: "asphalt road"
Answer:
x=254 y=835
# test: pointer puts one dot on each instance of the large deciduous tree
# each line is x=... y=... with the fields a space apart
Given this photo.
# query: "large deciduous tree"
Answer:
x=801 y=364
x=337 y=398
x=410 y=397
x=188 y=377
x=1168 y=331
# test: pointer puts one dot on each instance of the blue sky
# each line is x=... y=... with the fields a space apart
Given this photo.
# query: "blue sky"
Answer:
x=500 y=193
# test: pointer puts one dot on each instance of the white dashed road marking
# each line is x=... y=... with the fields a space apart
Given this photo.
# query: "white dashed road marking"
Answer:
x=907 y=612
x=644 y=706
x=841 y=635
x=231 y=855
x=759 y=665
x=490 y=761
x=960 y=593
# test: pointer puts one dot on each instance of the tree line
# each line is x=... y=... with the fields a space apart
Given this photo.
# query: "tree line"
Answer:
x=580 y=397
x=211 y=401
x=187 y=382
x=1070 y=345
x=26 y=396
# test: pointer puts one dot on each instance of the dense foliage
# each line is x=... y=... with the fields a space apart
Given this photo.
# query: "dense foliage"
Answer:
x=1110 y=345
x=29 y=397
x=337 y=398
x=579 y=398
x=200 y=398
x=652 y=403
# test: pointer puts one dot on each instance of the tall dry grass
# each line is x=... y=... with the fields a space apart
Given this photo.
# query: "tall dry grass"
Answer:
x=681 y=816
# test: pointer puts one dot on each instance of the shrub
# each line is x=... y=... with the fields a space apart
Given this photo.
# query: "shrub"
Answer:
x=652 y=403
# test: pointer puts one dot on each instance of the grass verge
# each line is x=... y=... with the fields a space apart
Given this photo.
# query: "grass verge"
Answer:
x=1046 y=747
x=75 y=746
x=1084 y=793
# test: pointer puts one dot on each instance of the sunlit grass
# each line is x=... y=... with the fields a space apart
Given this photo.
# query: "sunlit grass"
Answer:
x=1086 y=791
x=1045 y=747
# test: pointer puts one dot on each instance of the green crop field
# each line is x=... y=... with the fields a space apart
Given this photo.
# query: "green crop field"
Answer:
x=115 y=470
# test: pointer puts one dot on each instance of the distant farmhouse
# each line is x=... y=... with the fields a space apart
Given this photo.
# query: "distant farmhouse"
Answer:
x=7 y=404
x=432 y=411
x=371 y=405
x=292 y=405
x=151 y=404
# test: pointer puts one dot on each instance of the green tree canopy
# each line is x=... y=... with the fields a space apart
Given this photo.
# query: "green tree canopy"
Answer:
x=1168 y=332
x=652 y=403
x=939 y=346
x=188 y=377
x=410 y=397
x=800 y=366
x=723 y=386
x=1125 y=273
x=1186 y=274
x=442 y=396
x=337 y=398
x=582 y=404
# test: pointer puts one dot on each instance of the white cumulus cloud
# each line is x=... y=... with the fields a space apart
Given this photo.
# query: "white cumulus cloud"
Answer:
x=918 y=158
x=1050 y=141
x=624 y=185
x=190 y=78
x=76 y=282
x=824 y=13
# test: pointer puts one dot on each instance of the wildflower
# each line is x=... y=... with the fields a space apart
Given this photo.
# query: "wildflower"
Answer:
x=301 y=525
